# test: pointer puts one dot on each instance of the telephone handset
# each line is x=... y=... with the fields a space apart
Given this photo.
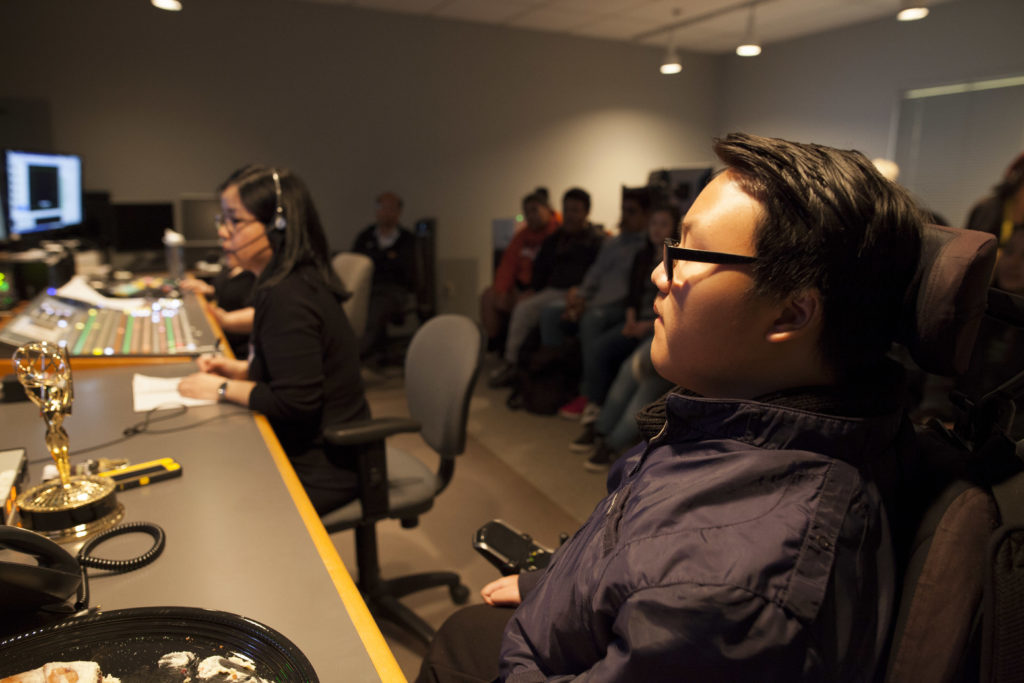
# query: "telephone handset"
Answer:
x=55 y=577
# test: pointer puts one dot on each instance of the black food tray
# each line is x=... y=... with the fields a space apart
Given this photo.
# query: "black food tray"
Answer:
x=128 y=643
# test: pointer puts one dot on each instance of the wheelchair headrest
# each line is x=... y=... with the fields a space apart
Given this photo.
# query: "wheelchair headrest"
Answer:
x=946 y=302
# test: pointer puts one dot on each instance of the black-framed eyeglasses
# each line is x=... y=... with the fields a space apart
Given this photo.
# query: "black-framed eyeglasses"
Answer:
x=232 y=224
x=672 y=252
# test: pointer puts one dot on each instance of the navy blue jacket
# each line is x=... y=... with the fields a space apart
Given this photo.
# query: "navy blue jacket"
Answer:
x=743 y=542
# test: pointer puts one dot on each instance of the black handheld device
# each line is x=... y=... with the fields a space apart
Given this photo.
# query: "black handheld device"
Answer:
x=508 y=549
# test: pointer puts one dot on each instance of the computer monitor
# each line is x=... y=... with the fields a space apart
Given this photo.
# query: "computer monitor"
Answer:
x=42 y=193
x=197 y=214
x=680 y=186
x=197 y=221
x=140 y=227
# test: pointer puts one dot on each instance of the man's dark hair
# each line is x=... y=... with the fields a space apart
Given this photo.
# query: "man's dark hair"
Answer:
x=830 y=222
x=643 y=196
x=540 y=195
x=579 y=195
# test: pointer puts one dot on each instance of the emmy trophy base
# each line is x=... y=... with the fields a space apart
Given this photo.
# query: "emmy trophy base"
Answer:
x=85 y=506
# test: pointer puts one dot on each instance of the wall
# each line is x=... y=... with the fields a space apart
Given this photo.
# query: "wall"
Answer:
x=462 y=120
x=843 y=88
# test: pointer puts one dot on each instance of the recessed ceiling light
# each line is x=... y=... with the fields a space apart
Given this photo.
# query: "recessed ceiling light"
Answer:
x=912 y=14
x=169 y=5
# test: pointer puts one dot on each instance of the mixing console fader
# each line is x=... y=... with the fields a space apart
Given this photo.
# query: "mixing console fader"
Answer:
x=161 y=327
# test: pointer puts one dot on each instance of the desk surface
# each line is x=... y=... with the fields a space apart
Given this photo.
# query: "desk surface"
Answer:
x=241 y=536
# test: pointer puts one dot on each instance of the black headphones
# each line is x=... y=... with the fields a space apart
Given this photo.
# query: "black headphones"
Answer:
x=279 y=221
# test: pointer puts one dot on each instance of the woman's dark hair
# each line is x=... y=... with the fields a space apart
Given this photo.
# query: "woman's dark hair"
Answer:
x=302 y=241
x=580 y=195
x=671 y=209
x=833 y=223
x=1012 y=179
x=540 y=195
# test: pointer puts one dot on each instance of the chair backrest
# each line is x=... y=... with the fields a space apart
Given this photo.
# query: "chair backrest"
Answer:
x=441 y=367
x=947 y=301
x=356 y=273
x=942 y=515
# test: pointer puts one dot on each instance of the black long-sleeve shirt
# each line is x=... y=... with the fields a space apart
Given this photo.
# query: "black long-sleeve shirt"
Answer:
x=393 y=266
x=305 y=363
x=564 y=257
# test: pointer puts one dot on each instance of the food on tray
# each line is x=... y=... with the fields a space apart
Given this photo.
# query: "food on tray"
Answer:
x=63 y=672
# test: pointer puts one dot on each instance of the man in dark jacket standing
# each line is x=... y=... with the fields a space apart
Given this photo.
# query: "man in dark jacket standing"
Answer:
x=393 y=250
x=745 y=539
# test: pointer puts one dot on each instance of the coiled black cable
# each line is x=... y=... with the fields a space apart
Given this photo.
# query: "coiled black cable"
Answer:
x=159 y=539
x=87 y=560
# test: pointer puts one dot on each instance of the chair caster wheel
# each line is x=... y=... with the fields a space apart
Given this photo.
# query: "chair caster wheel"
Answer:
x=459 y=593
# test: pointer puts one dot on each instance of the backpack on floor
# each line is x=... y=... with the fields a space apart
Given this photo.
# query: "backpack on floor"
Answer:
x=546 y=377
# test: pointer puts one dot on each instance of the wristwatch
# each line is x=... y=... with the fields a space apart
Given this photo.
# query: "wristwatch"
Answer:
x=222 y=391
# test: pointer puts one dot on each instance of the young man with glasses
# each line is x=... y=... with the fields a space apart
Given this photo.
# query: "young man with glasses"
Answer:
x=745 y=539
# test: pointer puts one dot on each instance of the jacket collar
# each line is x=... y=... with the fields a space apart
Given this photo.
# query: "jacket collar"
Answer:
x=856 y=422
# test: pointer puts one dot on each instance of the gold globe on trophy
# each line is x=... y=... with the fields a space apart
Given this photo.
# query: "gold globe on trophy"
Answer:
x=71 y=507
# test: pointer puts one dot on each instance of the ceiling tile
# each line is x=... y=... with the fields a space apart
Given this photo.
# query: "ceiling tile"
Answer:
x=489 y=11
x=647 y=21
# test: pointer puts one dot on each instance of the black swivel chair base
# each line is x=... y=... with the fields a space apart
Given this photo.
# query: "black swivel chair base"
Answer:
x=381 y=595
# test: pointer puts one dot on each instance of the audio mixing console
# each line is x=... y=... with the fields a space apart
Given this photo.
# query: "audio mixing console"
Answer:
x=160 y=327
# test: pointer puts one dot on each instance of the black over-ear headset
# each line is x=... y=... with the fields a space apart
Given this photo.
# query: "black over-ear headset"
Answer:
x=279 y=220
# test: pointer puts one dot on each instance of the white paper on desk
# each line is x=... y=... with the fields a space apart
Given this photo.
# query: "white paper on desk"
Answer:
x=151 y=392
x=79 y=290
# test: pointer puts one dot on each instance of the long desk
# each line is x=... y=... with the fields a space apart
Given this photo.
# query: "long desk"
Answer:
x=242 y=536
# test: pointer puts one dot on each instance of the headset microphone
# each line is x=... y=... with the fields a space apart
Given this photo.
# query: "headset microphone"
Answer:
x=243 y=246
x=279 y=220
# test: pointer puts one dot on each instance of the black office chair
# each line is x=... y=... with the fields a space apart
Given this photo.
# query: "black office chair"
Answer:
x=957 y=511
x=441 y=367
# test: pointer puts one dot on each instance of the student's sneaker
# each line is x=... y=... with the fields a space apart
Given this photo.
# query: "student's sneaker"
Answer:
x=590 y=413
x=573 y=409
x=601 y=460
x=584 y=443
x=502 y=376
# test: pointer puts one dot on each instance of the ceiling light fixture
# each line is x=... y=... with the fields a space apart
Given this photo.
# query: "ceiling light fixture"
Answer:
x=750 y=47
x=912 y=10
x=169 y=5
x=671 y=64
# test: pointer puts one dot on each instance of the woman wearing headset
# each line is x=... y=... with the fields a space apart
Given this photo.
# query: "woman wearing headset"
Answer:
x=303 y=366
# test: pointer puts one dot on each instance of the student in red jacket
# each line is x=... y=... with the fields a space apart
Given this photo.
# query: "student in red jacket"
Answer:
x=515 y=270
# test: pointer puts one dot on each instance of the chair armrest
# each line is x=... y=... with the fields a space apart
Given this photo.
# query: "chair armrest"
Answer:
x=364 y=431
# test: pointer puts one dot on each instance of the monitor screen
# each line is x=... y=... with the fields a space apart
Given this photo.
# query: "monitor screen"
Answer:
x=42 y=192
x=198 y=215
x=140 y=227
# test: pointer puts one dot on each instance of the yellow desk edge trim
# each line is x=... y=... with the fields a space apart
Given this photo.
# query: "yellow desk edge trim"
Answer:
x=376 y=647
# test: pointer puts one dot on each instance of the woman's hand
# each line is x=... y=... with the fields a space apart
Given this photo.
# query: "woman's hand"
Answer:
x=191 y=284
x=200 y=385
x=224 y=367
x=503 y=592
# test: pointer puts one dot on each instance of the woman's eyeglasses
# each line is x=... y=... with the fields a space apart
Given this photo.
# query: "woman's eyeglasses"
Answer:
x=672 y=252
x=231 y=224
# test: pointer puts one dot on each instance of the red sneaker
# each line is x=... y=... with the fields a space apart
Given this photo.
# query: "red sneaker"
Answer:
x=573 y=409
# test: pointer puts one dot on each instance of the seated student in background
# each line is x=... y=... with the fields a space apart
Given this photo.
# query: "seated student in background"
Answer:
x=1002 y=212
x=561 y=263
x=615 y=430
x=999 y=350
x=231 y=294
x=599 y=303
x=393 y=250
x=613 y=346
x=303 y=369
x=745 y=540
x=515 y=270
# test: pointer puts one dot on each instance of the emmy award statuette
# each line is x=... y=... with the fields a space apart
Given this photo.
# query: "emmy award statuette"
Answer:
x=71 y=507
